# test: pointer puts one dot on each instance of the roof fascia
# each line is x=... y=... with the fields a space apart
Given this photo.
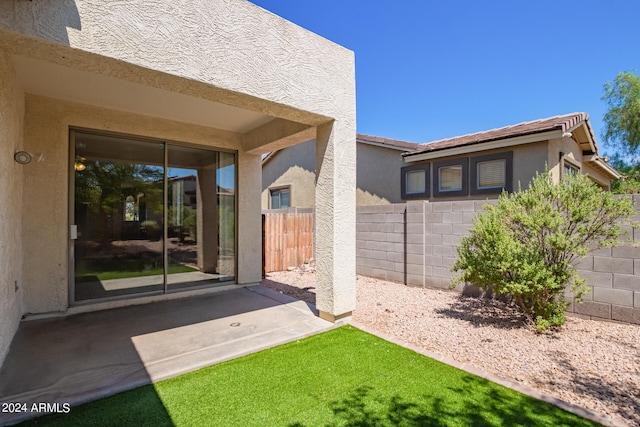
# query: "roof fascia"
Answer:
x=588 y=133
x=600 y=163
x=380 y=144
x=482 y=146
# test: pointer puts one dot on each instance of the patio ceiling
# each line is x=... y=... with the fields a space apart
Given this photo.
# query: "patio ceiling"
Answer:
x=51 y=80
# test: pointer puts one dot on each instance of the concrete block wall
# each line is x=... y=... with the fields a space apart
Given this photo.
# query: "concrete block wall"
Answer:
x=613 y=274
x=415 y=243
x=380 y=242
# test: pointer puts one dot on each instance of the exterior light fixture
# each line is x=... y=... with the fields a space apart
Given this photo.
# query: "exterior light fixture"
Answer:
x=22 y=157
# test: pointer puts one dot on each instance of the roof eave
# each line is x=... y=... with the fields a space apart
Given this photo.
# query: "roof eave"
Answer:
x=481 y=146
x=586 y=137
x=383 y=145
x=599 y=163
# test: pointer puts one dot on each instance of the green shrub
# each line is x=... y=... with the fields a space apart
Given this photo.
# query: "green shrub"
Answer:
x=151 y=229
x=525 y=245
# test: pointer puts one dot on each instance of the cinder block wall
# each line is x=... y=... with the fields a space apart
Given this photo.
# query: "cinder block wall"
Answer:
x=614 y=277
x=415 y=243
x=380 y=245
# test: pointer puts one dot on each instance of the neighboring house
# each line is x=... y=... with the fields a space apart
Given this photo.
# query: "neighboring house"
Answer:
x=101 y=102
x=288 y=175
x=483 y=164
x=474 y=166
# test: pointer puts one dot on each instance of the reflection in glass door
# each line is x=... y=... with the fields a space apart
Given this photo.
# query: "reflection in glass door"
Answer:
x=201 y=212
x=127 y=242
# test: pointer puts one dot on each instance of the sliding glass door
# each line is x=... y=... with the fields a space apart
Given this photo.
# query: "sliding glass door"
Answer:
x=200 y=216
x=148 y=216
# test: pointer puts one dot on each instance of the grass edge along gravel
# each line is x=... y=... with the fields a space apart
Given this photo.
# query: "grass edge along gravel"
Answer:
x=343 y=377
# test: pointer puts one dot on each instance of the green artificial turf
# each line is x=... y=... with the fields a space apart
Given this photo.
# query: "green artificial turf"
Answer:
x=344 y=377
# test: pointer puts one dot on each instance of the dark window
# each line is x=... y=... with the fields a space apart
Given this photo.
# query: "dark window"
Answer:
x=492 y=173
x=569 y=168
x=280 y=198
x=415 y=181
x=450 y=178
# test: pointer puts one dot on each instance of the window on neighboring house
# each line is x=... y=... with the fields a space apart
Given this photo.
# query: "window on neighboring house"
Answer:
x=415 y=181
x=280 y=198
x=569 y=168
x=450 y=177
x=492 y=173
x=130 y=209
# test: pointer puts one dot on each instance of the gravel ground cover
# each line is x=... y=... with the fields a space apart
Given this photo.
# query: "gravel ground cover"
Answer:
x=593 y=364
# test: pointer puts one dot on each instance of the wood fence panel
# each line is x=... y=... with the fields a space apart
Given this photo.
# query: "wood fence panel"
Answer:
x=288 y=240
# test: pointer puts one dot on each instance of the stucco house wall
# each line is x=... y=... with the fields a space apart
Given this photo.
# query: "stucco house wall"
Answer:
x=11 y=196
x=228 y=75
x=526 y=148
x=567 y=150
x=46 y=131
x=378 y=174
x=293 y=167
x=527 y=161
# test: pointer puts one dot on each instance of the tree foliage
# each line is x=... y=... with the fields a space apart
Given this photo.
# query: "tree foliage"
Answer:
x=630 y=181
x=526 y=244
x=103 y=186
x=622 y=119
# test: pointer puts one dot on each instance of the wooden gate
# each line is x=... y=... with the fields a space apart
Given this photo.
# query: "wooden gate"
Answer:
x=287 y=239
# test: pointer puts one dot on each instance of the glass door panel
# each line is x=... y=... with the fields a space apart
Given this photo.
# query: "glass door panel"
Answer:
x=127 y=242
x=118 y=212
x=226 y=177
x=193 y=216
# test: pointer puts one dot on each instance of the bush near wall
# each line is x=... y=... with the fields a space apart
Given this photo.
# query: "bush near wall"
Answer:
x=414 y=243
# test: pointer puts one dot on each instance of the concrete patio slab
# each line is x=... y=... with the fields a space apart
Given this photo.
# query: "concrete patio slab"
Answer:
x=78 y=358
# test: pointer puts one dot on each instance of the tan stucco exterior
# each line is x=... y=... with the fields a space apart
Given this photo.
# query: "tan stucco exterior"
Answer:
x=47 y=132
x=379 y=170
x=378 y=174
x=229 y=75
x=572 y=153
x=528 y=160
x=294 y=168
x=11 y=196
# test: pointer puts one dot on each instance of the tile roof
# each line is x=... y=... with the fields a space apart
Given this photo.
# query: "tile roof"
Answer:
x=562 y=123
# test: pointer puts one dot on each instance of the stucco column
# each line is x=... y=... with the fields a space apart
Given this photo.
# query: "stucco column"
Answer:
x=335 y=221
x=12 y=112
x=249 y=245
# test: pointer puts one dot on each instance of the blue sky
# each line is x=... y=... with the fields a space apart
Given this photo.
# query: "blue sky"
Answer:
x=427 y=70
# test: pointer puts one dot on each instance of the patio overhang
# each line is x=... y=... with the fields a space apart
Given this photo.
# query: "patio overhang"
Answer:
x=232 y=77
x=240 y=119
